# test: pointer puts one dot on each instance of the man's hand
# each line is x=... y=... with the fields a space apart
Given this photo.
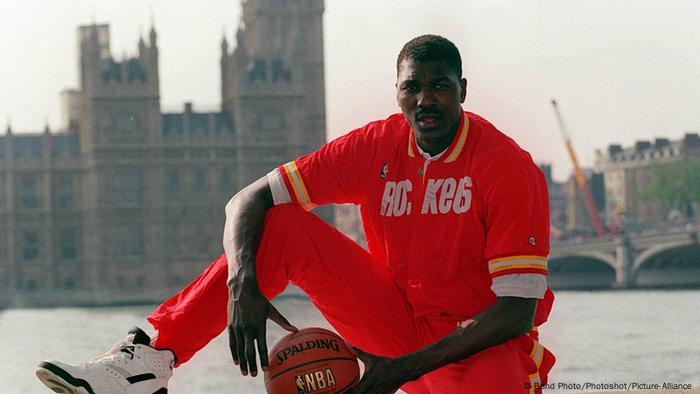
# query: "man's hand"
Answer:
x=382 y=374
x=248 y=311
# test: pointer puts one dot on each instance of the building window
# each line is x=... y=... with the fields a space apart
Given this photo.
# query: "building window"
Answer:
x=127 y=186
x=200 y=184
x=280 y=72
x=64 y=189
x=203 y=240
x=31 y=284
x=30 y=245
x=29 y=196
x=67 y=244
x=2 y=191
x=126 y=124
x=172 y=187
x=28 y=147
x=271 y=121
x=129 y=242
x=226 y=184
x=257 y=70
x=172 y=242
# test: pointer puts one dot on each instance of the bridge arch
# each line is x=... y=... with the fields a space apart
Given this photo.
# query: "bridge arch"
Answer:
x=590 y=254
x=649 y=253
x=584 y=269
x=669 y=264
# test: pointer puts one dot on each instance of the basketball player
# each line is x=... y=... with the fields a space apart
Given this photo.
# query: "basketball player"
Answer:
x=447 y=299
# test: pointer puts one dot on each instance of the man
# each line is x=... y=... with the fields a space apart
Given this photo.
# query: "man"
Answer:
x=450 y=294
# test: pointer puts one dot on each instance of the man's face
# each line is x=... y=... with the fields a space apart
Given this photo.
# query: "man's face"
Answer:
x=430 y=95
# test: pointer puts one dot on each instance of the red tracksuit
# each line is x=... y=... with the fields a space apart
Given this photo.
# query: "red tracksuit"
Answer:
x=446 y=236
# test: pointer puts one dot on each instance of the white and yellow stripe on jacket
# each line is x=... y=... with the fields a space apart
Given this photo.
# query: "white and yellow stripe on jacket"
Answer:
x=518 y=265
x=293 y=178
x=536 y=354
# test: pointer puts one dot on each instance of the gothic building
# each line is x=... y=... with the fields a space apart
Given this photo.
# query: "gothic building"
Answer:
x=125 y=203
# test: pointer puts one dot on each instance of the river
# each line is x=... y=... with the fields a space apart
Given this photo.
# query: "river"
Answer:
x=601 y=337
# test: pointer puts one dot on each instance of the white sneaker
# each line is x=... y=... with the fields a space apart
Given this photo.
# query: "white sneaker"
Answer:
x=131 y=367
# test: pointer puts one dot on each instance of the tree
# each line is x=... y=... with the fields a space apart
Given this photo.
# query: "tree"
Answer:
x=675 y=185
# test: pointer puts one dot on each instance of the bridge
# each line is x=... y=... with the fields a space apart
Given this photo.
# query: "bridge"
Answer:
x=653 y=259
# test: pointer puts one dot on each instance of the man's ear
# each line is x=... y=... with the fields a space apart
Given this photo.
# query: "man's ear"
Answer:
x=463 y=94
x=396 y=88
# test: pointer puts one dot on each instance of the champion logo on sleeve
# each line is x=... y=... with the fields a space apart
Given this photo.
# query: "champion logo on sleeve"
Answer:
x=385 y=171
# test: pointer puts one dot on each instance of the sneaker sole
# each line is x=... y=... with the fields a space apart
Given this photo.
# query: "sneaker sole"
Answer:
x=60 y=381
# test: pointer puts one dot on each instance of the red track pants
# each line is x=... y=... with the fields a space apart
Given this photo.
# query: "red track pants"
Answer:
x=356 y=295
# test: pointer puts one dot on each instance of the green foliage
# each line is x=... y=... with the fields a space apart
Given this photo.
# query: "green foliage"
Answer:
x=675 y=185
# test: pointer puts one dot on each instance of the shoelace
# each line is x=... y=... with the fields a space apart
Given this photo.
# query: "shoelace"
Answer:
x=112 y=353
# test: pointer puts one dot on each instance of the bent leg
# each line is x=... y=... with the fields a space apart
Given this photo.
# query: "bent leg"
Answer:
x=352 y=290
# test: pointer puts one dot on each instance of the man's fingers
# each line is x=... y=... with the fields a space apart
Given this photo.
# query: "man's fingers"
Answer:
x=250 y=354
x=232 y=345
x=277 y=317
x=262 y=348
x=240 y=342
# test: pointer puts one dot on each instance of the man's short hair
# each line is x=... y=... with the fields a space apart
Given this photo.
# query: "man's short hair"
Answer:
x=430 y=47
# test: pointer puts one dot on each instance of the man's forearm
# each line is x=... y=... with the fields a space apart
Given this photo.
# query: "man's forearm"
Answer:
x=245 y=217
x=509 y=318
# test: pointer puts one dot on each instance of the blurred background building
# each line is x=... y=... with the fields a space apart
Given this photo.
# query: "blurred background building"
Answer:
x=557 y=201
x=576 y=218
x=124 y=202
x=629 y=179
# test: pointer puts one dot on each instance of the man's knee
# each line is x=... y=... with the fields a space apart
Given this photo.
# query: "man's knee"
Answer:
x=284 y=212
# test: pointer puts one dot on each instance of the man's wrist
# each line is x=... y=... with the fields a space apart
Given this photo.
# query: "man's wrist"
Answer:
x=243 y=280
x=406 y=367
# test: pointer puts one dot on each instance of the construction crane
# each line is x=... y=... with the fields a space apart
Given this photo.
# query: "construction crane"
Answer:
x=580 y=178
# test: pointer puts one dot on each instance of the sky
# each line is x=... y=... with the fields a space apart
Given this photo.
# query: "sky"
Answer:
x=621 y=70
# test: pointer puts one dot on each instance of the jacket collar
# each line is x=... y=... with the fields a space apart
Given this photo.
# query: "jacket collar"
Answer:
x=455 y=148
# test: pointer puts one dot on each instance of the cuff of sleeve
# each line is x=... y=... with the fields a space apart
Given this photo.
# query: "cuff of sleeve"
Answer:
x=519 y=285
x=280 y=194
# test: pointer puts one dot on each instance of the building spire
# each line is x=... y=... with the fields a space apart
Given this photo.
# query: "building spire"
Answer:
x=224 y=42
x=152 y=36
x=141 y=40
x=142 y=44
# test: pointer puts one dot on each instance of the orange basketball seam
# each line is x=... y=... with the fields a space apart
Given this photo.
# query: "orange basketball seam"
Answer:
x=328 y=333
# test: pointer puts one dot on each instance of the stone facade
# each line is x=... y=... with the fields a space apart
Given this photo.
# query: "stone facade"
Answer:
x=628 y=172
x=577 y=220
x=557 y=201
x=125 y=203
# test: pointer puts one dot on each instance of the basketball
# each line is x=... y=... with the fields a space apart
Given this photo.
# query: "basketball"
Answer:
x=312 y=360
